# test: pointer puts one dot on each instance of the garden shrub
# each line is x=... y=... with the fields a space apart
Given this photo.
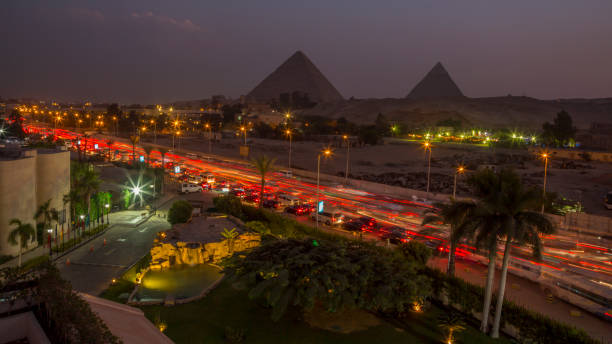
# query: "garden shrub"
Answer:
x=416 y=251
x=180 y=212
x=531 y=326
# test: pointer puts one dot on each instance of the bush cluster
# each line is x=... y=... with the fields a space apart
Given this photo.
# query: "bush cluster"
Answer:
x=468 y=297
x=180 y=212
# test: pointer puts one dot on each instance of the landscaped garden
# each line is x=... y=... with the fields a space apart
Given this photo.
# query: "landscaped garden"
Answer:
x=302 y=285
x=226 y=313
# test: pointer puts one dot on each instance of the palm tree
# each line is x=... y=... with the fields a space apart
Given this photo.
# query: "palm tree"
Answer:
x=525 y=223
x=451 y=322
x=263 y=165
x=86 y=183
x=230 y=236
x=485 y=220
x=20 y=235
x=162 y=152
x=454 y=214
x=148 y=149
x=134 y=139
x=44 y=211
x=85 y=138
x=504 y=212
x=109 y=144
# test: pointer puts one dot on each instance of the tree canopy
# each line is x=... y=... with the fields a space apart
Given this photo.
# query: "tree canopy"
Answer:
x=561 y=131
x=336 y=275
x=179 y=212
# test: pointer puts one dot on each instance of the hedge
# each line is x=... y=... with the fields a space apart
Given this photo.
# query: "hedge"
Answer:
x=531 y=326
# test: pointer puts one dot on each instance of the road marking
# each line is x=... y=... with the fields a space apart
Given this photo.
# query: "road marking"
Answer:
x=143 y=230
x=110 y=251
x=121 y=239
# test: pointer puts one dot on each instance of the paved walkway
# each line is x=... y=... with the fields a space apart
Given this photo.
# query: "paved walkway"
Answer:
x=125 y=217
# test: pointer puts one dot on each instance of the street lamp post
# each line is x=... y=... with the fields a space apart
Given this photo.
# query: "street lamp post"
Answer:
x=243 y=129
x=545 y=156
x=348 y=151
x=154 y=131
x=459 y=169
x=427 y=146
x=288 y=132
x=207 y=126
x=107 y=211
x=82 y=223
x=326 y=153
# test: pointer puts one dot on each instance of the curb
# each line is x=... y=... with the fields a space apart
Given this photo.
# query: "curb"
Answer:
x=62 y=254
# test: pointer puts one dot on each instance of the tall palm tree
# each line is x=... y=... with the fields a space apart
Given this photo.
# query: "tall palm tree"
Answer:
x=87 y=182
x=263 y=165
x=525 y=223
x=148 y=149
x=45 y=212
x=454 y=214
x=20 y=235
x=71 y=197
x=486 y=187
x=109 y=144
x=163 y=151
x=85 y=138
x=134 y=139
x=506 y=211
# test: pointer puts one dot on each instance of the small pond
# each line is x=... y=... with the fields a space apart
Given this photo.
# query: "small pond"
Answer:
x=180 y=281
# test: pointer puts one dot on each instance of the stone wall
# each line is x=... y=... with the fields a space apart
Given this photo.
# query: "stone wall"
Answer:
x=164 y=255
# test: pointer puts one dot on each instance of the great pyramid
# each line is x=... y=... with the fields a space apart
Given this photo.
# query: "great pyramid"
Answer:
x=298 y=73
x=436 y=84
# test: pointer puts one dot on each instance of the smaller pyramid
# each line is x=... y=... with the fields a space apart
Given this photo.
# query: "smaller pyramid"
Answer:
x=436 y=84
x=297 y=73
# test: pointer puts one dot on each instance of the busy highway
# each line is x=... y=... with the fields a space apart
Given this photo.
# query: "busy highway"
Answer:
x=575 y=268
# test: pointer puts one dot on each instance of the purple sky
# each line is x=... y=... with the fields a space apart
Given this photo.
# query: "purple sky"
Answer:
x=153 y=51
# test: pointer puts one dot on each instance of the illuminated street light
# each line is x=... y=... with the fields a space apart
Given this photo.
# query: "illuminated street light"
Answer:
x=545 y=156
x=348 y=151
x=427 y=147
x=459 y=169
x=288 y=133
x=207 y=126
x=243 y=129
x=326 y=153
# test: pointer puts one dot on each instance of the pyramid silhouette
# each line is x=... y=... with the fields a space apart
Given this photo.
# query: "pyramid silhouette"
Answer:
x=298 y=73
x=436 y=84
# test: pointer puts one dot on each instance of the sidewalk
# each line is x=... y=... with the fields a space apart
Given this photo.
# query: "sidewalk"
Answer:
x=130 y=218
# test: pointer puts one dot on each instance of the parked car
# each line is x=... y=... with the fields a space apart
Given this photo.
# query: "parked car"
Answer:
x=329 y=218
x=189 y=188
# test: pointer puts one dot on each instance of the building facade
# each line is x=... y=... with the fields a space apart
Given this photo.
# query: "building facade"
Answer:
x=29 y=178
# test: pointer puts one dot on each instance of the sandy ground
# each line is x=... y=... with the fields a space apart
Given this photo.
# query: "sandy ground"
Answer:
x=405 y=164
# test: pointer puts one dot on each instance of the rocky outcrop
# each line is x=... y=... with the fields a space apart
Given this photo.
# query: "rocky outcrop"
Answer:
x=165 y=255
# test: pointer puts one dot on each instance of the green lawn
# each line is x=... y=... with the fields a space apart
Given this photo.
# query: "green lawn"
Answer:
x=204 y=321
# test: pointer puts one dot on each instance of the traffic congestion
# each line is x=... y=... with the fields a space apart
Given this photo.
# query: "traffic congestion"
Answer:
x=576 y=269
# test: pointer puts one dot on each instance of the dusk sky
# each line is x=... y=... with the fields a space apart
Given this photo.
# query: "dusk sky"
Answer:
x=154 y=51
